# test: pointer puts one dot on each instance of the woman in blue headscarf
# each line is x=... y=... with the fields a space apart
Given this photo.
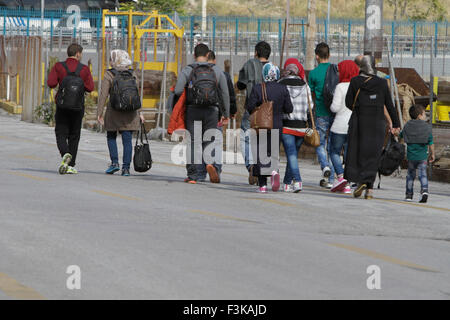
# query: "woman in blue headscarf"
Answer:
x=279 y=95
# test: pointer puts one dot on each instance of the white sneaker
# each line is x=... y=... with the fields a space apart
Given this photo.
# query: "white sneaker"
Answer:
x=324 y=183
x=297 y=187
x=287 y=188
x=326 y=172
x=347 y=189
x=262 y=189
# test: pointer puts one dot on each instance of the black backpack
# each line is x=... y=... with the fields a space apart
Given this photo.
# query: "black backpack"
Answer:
x=124 y=94
x=203 y=87
x=391 y=158
x=331 y=81
x=70 y=94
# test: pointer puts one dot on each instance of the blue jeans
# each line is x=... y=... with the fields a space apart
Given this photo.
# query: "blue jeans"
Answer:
x=337 y=141
x=127 y=147
x=245 y=140
x=323 y=125
x=291 y=146
x=413 y=165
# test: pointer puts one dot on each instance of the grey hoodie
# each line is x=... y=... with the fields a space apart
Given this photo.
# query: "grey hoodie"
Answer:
x=223 y=85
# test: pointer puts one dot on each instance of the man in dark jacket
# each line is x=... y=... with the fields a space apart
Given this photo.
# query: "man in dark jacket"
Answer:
x=206 y=116
x=249 y=75
x=68 y=122
x=220 y=124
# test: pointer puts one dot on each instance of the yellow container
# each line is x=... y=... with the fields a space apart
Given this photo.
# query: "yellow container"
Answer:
x=443 y=112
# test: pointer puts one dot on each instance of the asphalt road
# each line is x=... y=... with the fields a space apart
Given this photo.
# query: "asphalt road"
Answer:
x=151 y=236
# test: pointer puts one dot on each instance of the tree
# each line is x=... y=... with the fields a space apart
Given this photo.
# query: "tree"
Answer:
x=435 y=11
x=166 y=6
x=418 y=9
x=399 y=5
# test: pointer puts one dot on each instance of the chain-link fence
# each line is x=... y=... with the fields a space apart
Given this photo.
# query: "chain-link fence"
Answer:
x=232 y=38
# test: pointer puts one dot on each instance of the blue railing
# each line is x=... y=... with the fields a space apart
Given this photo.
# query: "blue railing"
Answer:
x=26 y=22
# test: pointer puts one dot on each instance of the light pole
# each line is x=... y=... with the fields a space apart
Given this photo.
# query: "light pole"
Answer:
x=373 y=29
x=42 y=17
x=328 y=19
x=204 y=4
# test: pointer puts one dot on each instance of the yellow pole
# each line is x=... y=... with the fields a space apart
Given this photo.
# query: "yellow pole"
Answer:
x=137 y=45
x=43 y=81
x=435 y=90
x=103 y=42
x=130 y=30
x=18 y=89
x=155 y=35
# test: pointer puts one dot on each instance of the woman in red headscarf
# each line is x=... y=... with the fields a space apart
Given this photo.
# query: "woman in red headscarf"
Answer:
x=338 y=132
x=294 y=123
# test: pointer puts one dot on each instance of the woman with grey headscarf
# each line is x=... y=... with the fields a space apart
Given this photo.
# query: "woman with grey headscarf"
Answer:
x=367 y=97
x=118 y=121
x=279 y=95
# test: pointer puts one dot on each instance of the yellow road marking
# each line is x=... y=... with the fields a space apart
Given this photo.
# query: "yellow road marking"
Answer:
x=28 y=157
x=383 y=257
x=281 y=203
x=26 y=140
x=115 y=195
x=385 y=200
x=413 y=204
x=16 y=290
x=221 y=216
x=29 y=176
x=170 y=164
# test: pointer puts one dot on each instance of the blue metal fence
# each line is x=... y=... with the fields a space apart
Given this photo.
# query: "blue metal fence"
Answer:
x=27 y=22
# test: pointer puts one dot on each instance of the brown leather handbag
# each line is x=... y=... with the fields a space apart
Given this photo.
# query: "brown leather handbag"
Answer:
x=262 y=116
x=312 y=138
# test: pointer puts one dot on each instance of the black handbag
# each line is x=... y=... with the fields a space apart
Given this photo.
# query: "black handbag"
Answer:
x=142 y=159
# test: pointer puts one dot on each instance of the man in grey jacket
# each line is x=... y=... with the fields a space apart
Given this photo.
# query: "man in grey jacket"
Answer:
x=249 y=75
x=206 y=115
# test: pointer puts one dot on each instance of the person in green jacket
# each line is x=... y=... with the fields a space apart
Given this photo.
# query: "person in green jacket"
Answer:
x=418 y=136
x=323 y=117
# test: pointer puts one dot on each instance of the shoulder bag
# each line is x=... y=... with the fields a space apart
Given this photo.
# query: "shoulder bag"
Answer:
x=262 y=116
x=142 y=159
x=312 y=137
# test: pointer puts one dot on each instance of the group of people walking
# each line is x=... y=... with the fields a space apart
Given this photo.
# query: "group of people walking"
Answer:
x=351 y=127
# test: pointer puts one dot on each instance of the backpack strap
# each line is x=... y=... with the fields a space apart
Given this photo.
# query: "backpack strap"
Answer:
x=78 y=69
x=357 y=93
x=193 y=65
x=63 y=63
x=113 y=71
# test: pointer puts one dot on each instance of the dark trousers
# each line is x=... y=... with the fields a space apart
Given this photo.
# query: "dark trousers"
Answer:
x=265 y=144
x=67 y=131
x=207 y=116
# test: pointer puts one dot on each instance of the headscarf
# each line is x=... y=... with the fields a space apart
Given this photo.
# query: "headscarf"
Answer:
x=366 y=65
x=295 y=66
x=270 y=72
x=120 y=59
x=347 y=70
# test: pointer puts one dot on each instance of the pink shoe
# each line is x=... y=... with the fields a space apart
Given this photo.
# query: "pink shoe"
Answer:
x=262 y=189
x=339 y=185
x=275 y=181
x=347 y=189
